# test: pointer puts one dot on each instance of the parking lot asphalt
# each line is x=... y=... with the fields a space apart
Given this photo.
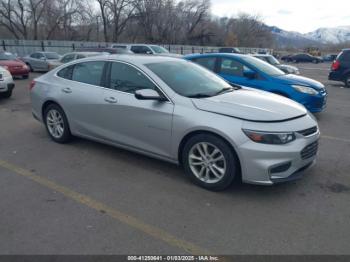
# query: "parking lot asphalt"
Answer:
x=89 y=198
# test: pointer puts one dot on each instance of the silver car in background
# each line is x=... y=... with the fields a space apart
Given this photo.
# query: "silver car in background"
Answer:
x=6 y=83
x=69 y=57
x=41 y=61
x=180 y=112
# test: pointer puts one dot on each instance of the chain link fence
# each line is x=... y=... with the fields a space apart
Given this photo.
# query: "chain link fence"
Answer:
x=25 y=47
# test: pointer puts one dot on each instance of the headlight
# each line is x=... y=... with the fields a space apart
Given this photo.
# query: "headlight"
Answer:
x=305 y=89
x=5 y=73
x=274 y=138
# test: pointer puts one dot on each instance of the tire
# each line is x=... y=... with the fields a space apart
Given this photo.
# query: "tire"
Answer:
x=25 y=76
x=347 y=81
x=295 y=61
x=30 y=67
x=207 y=174
x=59 y=131
x=315 y=61
x=6 y=94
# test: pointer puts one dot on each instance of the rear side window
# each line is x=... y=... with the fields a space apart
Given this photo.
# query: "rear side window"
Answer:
x=231 y=67
x=66 y=72
x=128 y=79
x=207 y=62
x=345 y=56
x=88 y=72
x=140 y=49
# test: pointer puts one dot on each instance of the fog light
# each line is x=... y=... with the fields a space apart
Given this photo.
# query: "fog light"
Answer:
x=280 y=168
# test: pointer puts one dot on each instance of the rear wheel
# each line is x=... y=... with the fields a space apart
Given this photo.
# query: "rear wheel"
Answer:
x=315 y=61
x=6 y=94
x=56 y=124
x=210 y=162
x=347 y=81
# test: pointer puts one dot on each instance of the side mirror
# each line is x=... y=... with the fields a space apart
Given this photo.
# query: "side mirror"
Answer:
x=250 y=74
x=148 y=94
x=148 y=52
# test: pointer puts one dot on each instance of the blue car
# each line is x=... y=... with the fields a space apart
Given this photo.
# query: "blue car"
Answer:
x=249 y=71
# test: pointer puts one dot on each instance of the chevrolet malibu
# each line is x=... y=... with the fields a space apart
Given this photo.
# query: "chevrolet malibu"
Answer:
x=178 y=111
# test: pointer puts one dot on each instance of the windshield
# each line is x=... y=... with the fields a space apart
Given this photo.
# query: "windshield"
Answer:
x=7 y=56
x=263 y=66
x=52 y=56
x=272 y=60
x=159 y=49
x=189 y=79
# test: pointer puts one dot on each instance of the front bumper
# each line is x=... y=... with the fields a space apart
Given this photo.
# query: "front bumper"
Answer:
x=19 y=72
x=270 y=164
x=316 y=104
x=6 y=84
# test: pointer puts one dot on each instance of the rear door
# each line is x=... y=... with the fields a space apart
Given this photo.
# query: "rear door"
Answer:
x=141 y=124
x=81 y=96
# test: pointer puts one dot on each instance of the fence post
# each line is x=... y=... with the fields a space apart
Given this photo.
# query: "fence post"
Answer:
x=192 y=49
x=42 y=45
x=169 y=48
x=73 y=47
x=202 y=50
x=3 y=45
x=182 y=50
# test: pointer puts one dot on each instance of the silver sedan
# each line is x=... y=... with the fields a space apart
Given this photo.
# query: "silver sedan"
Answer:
x=177 y=111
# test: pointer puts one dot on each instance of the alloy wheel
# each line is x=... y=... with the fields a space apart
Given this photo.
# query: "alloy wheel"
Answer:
x=55 y=123
x=207 y=162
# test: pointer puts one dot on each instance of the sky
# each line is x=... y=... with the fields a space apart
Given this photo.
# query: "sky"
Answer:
x=292 y=15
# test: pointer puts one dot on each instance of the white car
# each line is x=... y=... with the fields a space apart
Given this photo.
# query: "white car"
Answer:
x=6 y=83
x=146 y=49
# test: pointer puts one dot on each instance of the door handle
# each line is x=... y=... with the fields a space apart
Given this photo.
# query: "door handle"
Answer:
x=67 y=90
x=111 y=100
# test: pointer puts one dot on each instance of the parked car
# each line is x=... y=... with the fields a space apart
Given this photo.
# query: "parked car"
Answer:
x=305 y=58
x=41 y=61
x=286 y=58
x=340 y=69
x=233 y=50
x=249 y=71
x=109 y=50
x=288 y=69
x=76 y=55
x=15 y=66
x=6 y=83
x=329 y=57
x=177 y=111
x=146 y=49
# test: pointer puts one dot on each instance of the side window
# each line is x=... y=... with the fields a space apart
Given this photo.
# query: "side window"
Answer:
x=80 y=56
x=88 y=72
x=66 y=72
x=128 y=79
x=231 y=67
x=140 y=49
x=207 y=62
x=345 y=56
x=68 y=58
x=40 y=55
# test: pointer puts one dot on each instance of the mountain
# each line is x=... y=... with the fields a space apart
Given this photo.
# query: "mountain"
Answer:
x=317 y=38
x=285 y=39
x=333 y=35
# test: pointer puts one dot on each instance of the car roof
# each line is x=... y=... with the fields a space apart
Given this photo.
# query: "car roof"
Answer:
x=261 y=55
x=83 y=53
x=216 y=54
x=136 y=58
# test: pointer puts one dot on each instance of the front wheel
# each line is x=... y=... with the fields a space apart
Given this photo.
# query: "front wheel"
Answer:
x=6 y=94
x=56 y=124
x=210 y=162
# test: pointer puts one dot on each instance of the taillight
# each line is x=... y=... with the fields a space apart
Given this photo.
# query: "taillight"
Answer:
x=335 y=65
x=32 y=84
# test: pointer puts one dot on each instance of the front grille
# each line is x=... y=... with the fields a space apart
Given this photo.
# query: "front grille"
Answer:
x=308 y=132
x=309 y=150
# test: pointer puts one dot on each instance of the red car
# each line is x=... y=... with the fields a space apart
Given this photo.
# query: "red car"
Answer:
x=14 y=65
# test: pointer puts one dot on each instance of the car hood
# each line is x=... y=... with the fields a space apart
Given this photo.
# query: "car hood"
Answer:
x=252 y=105
x=11 y=63
x=300 y=80
x=170 y=55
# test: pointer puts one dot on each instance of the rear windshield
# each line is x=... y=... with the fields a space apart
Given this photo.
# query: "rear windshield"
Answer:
x=344 y=56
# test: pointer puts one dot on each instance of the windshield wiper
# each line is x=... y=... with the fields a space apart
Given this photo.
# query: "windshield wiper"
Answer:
x=225 y=90
x=199 y=95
